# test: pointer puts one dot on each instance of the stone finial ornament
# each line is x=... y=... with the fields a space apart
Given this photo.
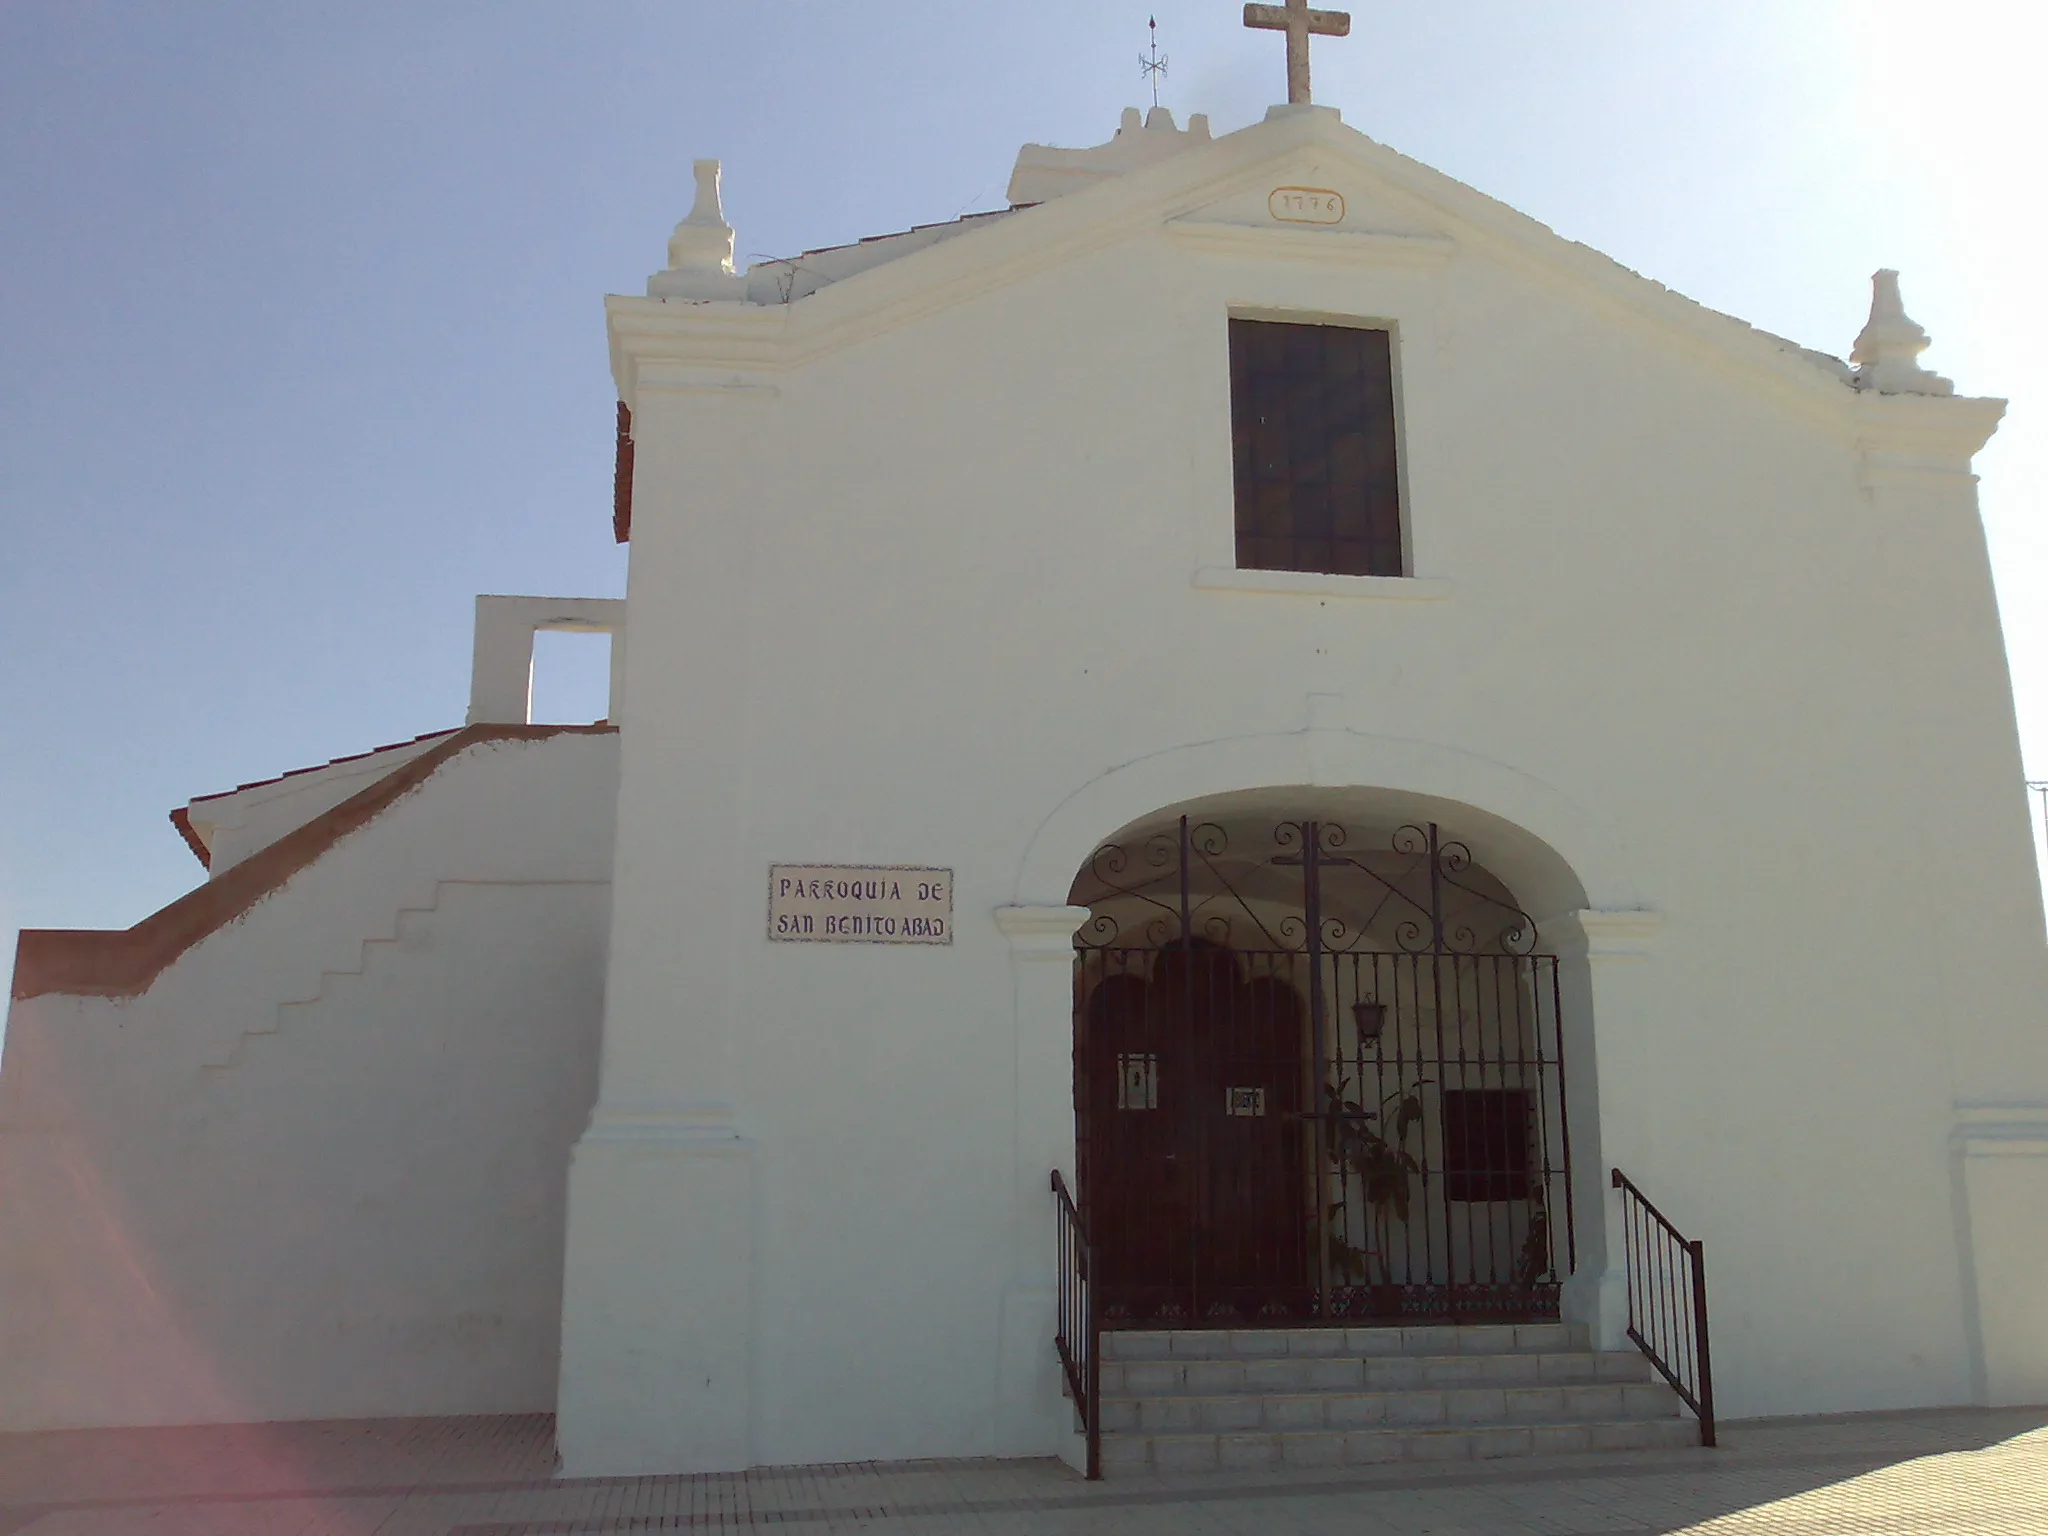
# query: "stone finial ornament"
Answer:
x=1887 y=352
x=700 y=251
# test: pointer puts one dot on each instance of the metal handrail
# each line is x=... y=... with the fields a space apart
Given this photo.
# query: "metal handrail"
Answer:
x=1079 y=1336
x=1667 y=1301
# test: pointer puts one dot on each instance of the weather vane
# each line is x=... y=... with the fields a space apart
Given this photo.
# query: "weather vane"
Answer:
x=1154 y=67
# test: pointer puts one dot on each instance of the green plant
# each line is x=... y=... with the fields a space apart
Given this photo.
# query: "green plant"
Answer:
x=1372 y=1145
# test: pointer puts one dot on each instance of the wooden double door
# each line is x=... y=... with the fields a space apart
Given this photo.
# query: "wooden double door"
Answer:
x=1192 y=1079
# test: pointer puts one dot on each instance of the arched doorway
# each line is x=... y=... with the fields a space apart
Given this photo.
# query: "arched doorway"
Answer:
x=1319 y=1078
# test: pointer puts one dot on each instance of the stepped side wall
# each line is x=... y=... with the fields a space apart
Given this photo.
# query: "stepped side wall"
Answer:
x=317 y=1168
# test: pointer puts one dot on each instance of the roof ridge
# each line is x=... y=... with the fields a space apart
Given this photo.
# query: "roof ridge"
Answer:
x=125 y=962
x=351 y=757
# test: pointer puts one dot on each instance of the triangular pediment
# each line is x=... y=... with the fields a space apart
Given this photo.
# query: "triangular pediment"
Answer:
x=1317 y=192
x=1298 y=186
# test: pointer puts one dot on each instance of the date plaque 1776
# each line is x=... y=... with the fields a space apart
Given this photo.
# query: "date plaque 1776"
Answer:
x=859 y=904
x=1306 y=205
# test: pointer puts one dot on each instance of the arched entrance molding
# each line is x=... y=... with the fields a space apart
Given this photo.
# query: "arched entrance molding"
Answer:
x=1559 y=855
x=1562 y=857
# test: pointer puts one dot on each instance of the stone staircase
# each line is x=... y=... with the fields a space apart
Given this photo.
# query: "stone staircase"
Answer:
x=1210 y=1401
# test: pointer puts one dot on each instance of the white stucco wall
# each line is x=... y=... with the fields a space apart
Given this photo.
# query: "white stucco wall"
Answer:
x=931 y=567
x=317 y=1169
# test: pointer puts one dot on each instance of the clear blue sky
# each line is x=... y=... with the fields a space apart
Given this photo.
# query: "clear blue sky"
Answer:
x=301 y=343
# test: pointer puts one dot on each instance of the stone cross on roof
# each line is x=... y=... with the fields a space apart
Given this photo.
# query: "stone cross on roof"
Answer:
x=1298 y=21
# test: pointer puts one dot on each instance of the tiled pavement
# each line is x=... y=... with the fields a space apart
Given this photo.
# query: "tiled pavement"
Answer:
x=1953 y=1473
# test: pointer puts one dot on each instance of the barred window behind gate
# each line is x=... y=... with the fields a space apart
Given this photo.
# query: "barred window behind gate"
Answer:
x=1486 y=1144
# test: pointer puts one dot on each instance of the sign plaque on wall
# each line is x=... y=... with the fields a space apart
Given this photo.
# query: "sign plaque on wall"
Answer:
x=1306 y=205
x=859 y=904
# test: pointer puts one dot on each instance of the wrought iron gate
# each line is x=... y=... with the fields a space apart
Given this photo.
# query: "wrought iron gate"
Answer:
x=1316 y=1083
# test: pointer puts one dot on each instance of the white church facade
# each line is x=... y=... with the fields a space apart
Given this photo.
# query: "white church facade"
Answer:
x=1257 y=685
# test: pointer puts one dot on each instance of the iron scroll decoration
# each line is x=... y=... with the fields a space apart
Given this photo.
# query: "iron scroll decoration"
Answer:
x=1435 y=907
x=1447 y=861
x=1166 y=855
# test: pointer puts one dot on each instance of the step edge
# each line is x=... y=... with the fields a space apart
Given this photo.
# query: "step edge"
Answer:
x=1383 y=1429
x=1504 y=1354
x=1342 y=1395
x=1646 y=1376
x=1111 y=1352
